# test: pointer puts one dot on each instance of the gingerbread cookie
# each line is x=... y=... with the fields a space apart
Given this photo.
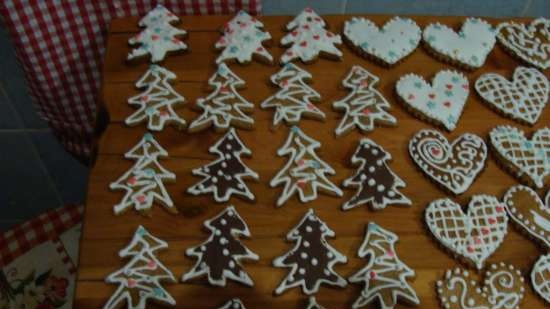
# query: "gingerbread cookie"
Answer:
x=304 y=173
x=441 y=102
x=468 y=48
x=396 y=40
x=159 y=37
x=503 y=287
x=521 y=99
x=312 y=259
x=364 y=106
x=309 y=39
x=224 y=107
x=234 y=303
x=219 y=257
x=530 y=43
x=473 y=236
x=312 y=304
x=453 y=166
x=540 y=275
x=528 y=159
x=295 y=99
x=529 y=212
x=142 y=277
x=385 y=275
x=377 y=185
x=242 y=40
x=224 y=176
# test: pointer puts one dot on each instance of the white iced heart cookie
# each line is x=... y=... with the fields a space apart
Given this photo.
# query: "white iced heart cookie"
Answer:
x=530 y=43
x=398 y=38
x=523 y=98
x=540 y=275
x=442 y=102
x=469 y=47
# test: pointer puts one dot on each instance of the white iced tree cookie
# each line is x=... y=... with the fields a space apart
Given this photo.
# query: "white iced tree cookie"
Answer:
x=312 y=303
x=295 y=99
x=364 y=106
x=539 y=277
x=159 y=37
x=309 y=39
x=304 y=173
x=144 y=181
x=141 y=279
x=156 y=104
x=234 y=303
x=224 y=107
x=530 y=43
x=242 y=40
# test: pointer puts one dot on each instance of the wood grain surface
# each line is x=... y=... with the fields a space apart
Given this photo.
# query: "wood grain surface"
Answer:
x=105 y=234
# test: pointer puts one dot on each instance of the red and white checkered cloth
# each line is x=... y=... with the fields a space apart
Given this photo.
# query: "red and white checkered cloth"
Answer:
x=60 y=46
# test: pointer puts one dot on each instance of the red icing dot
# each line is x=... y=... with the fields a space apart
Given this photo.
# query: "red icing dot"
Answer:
x=305 y=27
x=317 y=19
x=303 y=44
x=301 y=184
x=499 y=208
x=221 y=41
x=365 y=84
x=329 y=34
x=447 y=104
x=175 y=40
x=389 y=253
x=154 y=37
x=477 y=241
x=470 y=249
x=310 y=106
x=484 y=231
x=492 y=220
x=131 y=180
x=163 y=113
x=372 y=275
x=289 y=53
x=294 y=33
x=141 y=199
x=151 y=264
x=449 y=86
x=144 y=98
x=259 y=49
x=131 y=283
x=435 y=151
x=243 y=25
x=308 y=10
x=223 y=89
x=431 y=95
x=410 y=97
x=284 y=82
x=365 y=111
x=316 y=37
x=465 y=87
x=300 y=162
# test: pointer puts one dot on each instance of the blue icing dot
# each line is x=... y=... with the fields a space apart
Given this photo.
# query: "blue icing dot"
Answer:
x=294 y=129
x=148 y=136
x=461 y=35
x=144 y=45
x=449 y=93
x=247 y=39
x=241 y=12
x=157 y=30
x=454 y=79
x=412 y=42
x=450 y=119
x=149 y=111
x=372 y=227
x=158 y=292
x=527 y=144
x=431 y=105
x=233 y=49
x=315 y=164
x=149 y=172
x=140 y=231
x=418 y=84
x=392 y=54
x=365 y=45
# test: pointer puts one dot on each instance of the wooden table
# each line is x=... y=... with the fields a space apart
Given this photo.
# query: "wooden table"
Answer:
x=105 y=234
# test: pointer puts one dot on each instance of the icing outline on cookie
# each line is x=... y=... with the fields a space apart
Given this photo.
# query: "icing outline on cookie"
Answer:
x=539 y=277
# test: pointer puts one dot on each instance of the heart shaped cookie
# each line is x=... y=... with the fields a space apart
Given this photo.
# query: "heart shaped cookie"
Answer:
x=540 y=275
x=452 y=166
x=530 y=43
x=503 y=288
x=521 y=99
x=441 y=103
x=396 y=40
x=474 y=235
x=527 y=159
x=528 y=211
x=467 y=48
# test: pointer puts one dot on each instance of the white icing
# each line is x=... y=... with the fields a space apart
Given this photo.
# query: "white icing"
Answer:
x=364 y=105
x=309 y=38
x=530 y=158
x=523 y=98
x=234 y=303
x=469 y=47
x=540 y=276
x=398 y=37
x=294 y=100
x=312 y=304
x=242 y=39
x=442 y=101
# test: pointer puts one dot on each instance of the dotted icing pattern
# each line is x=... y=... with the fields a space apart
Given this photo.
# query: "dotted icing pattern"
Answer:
x=540 y=275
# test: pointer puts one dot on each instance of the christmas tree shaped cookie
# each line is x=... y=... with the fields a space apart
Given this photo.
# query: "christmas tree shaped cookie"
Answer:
x=224 y=107
x=312 y=259
x=304 y=173
x=376 y=184
x=294 y=100
x=309 y=39
x=159 y=37
x=242 y=40
x=219 y=257
x=364 y=106
x=312 y=303
x=144 y=182
x=156 y=103
x=385 y=275
x=224 y=176
x=141 y=279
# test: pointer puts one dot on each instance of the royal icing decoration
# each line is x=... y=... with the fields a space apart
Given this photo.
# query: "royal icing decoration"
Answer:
x=234 y=303
x=531 y=43
x=224 y=107
x=469 y=47
x=385 y=275
x=144 y=182
x=522 y=99
x=474 y=235
x=224 y=176
x=442 y=102
x=364 y=106
x=220 y=255
x=156 y=103
x=529 y=212
x=304 y=172
x=454 y=166
x=376 y=184
x=309 y=39
x=312 y=304
x=242 y=40
x=158 y=37
x=312 y=259
x=540 y=277
x=503 y=288
x=528 y=159
x=141 y=279
x=295 y=98
x=397 y=39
